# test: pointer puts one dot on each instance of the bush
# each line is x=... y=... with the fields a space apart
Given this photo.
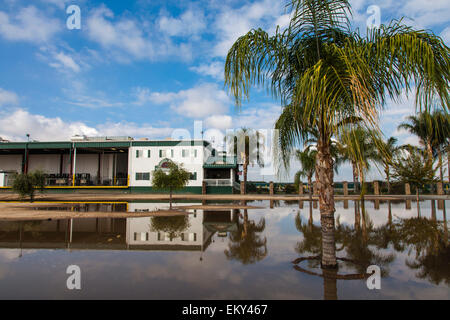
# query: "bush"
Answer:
x=26 y=184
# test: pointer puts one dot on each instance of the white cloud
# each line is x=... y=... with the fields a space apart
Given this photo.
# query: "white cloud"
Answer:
x=257 y=118
x=125 y=34
x=16 y=124
x=214 y=69
x=233 y=23
x=190 y=23
x=198 y=102
x=61 y=4
x=29 y=24
x=65 y=61
x=445 y=35
x=8 y=97
x=93 y=102
x=132 y=129
x=127 y=39
x=219 y=122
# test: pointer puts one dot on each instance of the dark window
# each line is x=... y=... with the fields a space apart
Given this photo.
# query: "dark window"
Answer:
x=142 y=175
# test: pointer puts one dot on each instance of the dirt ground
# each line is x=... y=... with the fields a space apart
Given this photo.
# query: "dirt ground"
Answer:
x=114 y=197
x=30 y=211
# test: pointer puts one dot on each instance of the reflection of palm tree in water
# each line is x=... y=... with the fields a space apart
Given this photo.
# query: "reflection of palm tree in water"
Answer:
x=358 y=246
x=430 y=243
x=246 y=243
x=426 y=239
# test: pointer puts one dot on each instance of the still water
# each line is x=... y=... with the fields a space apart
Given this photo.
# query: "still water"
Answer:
x=228 y=254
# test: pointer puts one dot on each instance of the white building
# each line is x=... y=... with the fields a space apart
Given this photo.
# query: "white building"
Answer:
x=117 y=162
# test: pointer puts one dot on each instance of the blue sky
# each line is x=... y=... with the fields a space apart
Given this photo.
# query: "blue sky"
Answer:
x=146 y=67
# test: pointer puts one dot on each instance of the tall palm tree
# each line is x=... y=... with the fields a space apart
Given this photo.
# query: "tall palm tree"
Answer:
x=357 y=145
x=386 y=150
x=307 y=159
x=323 y=72
x=246 y=144
x=432 y=129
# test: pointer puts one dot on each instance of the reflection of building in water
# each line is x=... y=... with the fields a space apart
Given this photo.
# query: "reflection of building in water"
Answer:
x=118 y=233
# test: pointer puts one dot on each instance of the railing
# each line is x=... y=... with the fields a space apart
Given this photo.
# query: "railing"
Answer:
x=218 y=182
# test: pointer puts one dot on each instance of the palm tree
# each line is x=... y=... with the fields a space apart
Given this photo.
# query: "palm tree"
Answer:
x=433 y=131
x=386 y=150
x=441 y=137
x=307 y=159
x=246 y=144
x=357 y=146
x=323 y=72
x=246 y=244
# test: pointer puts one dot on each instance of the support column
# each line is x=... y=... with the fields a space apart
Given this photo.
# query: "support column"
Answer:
x=376 y=191
x=61 y=163
x=345 y=186
x=408 y=193
x=74 y=166
x=242 y=187
x=203 y=192
x=99 y=169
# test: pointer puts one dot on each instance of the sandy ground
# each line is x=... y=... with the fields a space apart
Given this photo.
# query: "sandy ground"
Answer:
x=17 y=209
x=115 y=197
x=30 y=211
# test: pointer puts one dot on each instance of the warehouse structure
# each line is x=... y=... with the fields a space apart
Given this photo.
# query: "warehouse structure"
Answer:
x=117 y=163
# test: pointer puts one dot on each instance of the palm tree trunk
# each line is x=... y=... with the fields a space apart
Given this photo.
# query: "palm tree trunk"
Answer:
x=357 y=216
x=245 y=224
x=324 y=177
x=245 y=167
x=386 y=170
x=330 y=284
x=441 y=171
x=355 y=178
x=170 y=200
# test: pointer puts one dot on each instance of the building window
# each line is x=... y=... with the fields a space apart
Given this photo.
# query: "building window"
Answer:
x=185 y=153
x=171 y=153
x=195 y=153
x=193 y=176
x=162 y=153
x=142 y=175
x=148 y=153
x=139 y=153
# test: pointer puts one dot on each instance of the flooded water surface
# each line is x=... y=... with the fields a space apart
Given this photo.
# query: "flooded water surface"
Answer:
x=264 y=253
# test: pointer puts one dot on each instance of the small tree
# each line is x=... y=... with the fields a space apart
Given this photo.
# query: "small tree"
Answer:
x=174 y=178
x=26 y=184
x=174 y=225
x=414 y=167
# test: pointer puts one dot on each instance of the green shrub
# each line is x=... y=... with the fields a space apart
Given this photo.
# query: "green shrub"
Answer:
x=26 y=184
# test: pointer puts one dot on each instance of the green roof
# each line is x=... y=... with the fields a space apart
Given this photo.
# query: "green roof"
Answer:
x=220 y=162
x=99 y=144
